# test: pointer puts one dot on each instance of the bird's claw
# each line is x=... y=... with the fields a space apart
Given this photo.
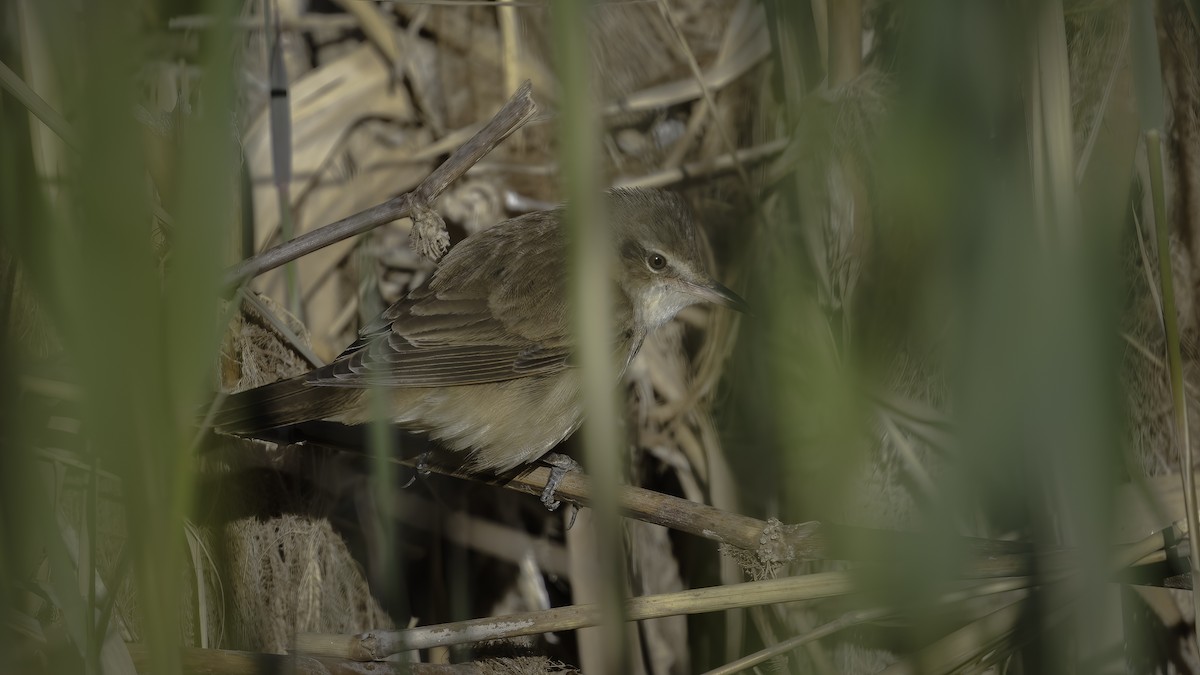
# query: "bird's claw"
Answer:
x=559 y=466
x=422 y=470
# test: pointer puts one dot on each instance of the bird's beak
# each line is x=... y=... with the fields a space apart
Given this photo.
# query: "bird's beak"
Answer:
x=715 y=292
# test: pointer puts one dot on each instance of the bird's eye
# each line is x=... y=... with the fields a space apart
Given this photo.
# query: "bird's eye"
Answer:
x=656 y=261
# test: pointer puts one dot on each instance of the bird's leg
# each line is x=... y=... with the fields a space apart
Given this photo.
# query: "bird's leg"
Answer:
x=559 y=466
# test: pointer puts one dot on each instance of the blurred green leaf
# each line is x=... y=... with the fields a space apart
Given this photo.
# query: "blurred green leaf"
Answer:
x=1147 y=70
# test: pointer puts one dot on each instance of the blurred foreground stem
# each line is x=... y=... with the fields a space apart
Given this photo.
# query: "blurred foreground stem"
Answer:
x=591 y=305
x=1174 y=356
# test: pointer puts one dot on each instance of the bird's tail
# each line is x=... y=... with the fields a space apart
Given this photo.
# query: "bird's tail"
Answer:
x=281 y=404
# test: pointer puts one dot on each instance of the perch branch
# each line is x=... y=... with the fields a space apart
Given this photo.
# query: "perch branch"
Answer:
x=516 y=112
x=777 y=543
x=803 y=541
x=772 y=541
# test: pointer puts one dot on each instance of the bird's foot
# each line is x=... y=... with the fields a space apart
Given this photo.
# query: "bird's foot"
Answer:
x=422 y=470
x=559 y=466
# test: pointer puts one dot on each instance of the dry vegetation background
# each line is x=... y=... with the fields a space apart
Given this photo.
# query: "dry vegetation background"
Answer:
x=948 y=439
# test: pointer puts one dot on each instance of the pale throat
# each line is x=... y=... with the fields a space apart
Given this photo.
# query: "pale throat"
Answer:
x=661 y=303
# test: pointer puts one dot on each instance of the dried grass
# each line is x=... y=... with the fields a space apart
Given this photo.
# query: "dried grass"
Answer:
x=372 y=114
x=293 y=574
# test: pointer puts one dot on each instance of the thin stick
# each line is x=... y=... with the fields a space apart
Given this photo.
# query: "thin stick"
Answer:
x=673 y=93
x=961 y=646
x=855 y=618
x=822 y=631
x=517 y=111
x=506 y=15
x=705 y=168
x=1174 y=355
x=280 y=120
x=1146 y=266
x=1132 y=555
x=731 y=40
x=730 y=147
x=13 y=84
x=377 y=645
x=487 y=536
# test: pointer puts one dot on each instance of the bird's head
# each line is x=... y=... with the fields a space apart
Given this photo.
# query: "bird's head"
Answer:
x=662 y=261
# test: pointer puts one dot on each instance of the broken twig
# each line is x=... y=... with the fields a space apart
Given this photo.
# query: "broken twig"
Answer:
x=517 y=111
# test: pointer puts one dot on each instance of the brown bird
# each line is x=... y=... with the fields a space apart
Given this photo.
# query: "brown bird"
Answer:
x=480 y=356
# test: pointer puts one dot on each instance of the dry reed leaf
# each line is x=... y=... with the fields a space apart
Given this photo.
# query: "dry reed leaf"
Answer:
x=351 y=149
x=653 y=570
x=472 y=53
x=377 y=27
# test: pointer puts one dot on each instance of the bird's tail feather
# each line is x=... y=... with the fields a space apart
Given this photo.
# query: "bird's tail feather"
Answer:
x=280 y=404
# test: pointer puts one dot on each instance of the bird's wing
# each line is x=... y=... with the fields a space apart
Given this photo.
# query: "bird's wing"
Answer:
x=494 y=310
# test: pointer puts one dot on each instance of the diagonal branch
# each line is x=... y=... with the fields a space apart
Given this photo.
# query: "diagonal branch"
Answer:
x=517 y=111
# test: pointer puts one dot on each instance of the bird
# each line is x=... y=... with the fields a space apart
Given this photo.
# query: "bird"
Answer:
x=480 y=357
